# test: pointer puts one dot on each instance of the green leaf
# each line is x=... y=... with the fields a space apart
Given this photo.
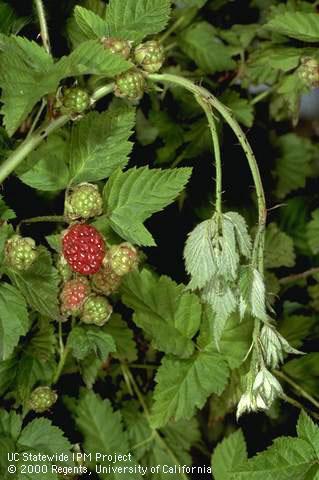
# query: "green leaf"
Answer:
x=42 y=175
x=296 y=328
x=5 y=212
x=9 y=21
x=252 y=293
x=100 y=144
x=228 y=454
x=200 y=263
x=293 y=164
x=201 y=44
x=39 y=284
x=235 y=339
x=8 y=370
x=133 y=196
x=91 y=58
x=299 y=25
x=6 y=231
x=135 y=20
x=86 y=339
x=36 y=362
x=14 y=319
x=287 y=458
x=279 y=248
x=92 y=26
x=10 y=424
x=123 y=337
x=312 y=232
x=41 y=436
x=24 y=78
x=169 y=315
x=241 y=107
x=175 y=440
x=203 y=374
x=305 y=372
x=92 y=412
x=308 y=430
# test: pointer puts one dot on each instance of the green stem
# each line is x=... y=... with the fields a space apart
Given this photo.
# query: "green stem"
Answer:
x=46 y=218
x=296 y=387
x=157 y=436
x=218 y=164
x=37 y=117
x=299 y=405
x=299 y=276
x=229 y=118
x=143 y=367
x=260 y=96
x=172 y=29
x=34 y=140
x=43 y=25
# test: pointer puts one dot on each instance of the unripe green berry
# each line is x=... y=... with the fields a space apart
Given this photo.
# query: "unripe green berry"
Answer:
x=309 y=71
x=123 y=258
x=84 y=201
x=117 y=45
x=150 y=55
x=106 y=280
x=97 y=310
x=75 y=100
x=41 y=399
x=20 y=252
x=130 y=85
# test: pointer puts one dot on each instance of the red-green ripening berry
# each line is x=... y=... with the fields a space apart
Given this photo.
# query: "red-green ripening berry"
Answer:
x=73 y=295
x=123 y=258
x=106 y=280
x=41 y=399
x=20 y=252
x=75 y=100
x=117 y=45
x=84 y=201
x=309 y=71
x=64 y=268
x=150 y=55
x=83 y=248
x=97 y=310
x=130 y=85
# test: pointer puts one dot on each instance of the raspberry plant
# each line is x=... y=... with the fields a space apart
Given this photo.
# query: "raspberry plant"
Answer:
x=176 y=345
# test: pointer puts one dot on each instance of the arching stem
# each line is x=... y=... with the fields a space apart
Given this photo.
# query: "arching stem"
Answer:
x=218 y=164
x=196 y=90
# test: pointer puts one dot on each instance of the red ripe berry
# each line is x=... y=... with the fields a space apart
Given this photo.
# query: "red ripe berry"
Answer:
x=83 y=249
x=73 y=295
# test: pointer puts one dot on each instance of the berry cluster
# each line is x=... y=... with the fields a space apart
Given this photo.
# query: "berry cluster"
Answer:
x=90 y=270
x=148 y=58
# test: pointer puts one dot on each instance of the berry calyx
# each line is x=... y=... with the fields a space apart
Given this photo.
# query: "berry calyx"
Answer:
x=75 y=100
x=84 y=201
x=106 y=280
x=20 y=252
x=130 y=84
x=150 y=55
x=123 y=258
x=97 y=310
x=117 y=45
x=83 y=248
x=73 y=295
x=41 y=399
x=309 y=71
